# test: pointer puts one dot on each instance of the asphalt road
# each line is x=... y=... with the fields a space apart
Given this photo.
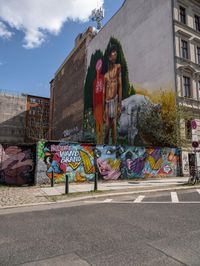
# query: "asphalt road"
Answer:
x=154 y=231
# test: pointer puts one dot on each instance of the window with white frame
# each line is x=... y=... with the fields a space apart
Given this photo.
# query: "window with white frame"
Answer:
x=198 y=88
x=186 y=87
x=198 y=54
x=197 y=22
x=184 y=49
x=182 y=14
x=188 y=129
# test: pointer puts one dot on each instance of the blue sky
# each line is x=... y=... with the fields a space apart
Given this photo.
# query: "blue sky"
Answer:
x=34 y=43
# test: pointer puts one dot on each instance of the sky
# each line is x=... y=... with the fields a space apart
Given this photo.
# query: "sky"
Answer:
x=37 y=35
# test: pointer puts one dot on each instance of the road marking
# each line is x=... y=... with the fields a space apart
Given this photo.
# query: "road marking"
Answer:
x=107 y=200
x=174 y=197
x=139 y=199
x=198 y=190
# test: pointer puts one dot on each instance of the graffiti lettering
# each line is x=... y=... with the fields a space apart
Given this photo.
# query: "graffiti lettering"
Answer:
x=70 y=156
x=55 y=148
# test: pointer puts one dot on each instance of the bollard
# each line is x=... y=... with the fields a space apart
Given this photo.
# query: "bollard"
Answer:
x=95 y=180
x=96 y=171
x=52 y=179
x=67 y=184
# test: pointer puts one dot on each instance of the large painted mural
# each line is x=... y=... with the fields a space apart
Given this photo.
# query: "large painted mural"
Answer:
x=117 y=113
x=17 y=164
x=81 y=161
x=77 y=161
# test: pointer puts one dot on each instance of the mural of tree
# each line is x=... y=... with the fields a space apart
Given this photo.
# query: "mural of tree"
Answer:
x=120 y=60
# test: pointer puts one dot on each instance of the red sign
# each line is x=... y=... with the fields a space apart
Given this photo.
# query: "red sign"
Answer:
x=195 y=144
x=193 y=124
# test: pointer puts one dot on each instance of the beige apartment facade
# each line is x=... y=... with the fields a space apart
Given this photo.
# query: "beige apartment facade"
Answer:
x=187 y=67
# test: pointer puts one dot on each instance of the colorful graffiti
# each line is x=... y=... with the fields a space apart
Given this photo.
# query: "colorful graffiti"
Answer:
x=77 y=161
x=136 y=162
x=17 y=164
x=116 y=113
x=111 y=162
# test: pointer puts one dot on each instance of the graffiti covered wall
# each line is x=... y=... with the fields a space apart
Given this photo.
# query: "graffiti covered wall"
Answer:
x=136 y=162
x=17 y=164
x=130 y=83
x=112 y=162
x=57 y=159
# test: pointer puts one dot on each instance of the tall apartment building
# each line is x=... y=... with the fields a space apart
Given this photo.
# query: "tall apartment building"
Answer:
x=23 y=118
x=187 y=68
x=160 y=40
x=12 y=118
x=67 y=89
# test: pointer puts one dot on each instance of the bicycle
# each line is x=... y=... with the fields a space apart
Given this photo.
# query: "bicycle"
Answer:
x=194 y=176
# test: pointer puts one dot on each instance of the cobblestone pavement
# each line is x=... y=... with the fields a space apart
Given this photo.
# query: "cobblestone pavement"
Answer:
x=12 y=196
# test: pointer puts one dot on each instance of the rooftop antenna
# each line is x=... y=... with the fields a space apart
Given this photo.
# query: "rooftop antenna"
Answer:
x=97 y=15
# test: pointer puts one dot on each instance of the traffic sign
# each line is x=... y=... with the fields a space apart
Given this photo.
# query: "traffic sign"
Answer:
x=195 y=144
x=193 y=124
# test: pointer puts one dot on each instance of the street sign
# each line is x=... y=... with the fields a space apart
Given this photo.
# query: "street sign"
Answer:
x=195 y=144
x=193 y=124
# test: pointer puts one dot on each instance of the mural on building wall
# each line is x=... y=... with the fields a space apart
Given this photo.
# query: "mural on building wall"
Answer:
x=117 y=113
x=61 y=158
x=112 y=162
x=17 y=164
x=117 y=162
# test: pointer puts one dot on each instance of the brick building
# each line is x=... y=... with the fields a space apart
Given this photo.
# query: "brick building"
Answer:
x=37 y=118
x=67 y=89
x=23 y=118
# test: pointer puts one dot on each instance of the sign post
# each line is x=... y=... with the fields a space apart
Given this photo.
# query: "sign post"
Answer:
x=195 y=143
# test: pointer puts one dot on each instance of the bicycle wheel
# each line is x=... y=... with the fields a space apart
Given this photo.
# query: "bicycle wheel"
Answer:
x=192 y=180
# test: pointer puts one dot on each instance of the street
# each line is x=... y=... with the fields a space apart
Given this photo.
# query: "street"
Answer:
x=118 y=231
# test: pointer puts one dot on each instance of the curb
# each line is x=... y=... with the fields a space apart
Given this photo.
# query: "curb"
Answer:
x=76 y=199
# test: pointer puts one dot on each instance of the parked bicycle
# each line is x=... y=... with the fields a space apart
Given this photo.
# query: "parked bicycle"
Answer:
x=194 y=176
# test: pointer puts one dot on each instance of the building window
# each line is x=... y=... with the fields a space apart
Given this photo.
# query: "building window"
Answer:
x=197 y=22
x=184 y=49
x=198 y=55
x=188 y=129
x=198 y=88
x=182 y=14
x=186 y=87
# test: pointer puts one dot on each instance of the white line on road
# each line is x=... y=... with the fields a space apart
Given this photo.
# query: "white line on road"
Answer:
x=174 y=197
x=198 y=190
x=139 y=199
x=107 y=200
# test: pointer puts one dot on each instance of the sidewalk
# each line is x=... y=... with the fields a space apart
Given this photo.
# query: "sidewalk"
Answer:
x=115 y=185
x=36 y=195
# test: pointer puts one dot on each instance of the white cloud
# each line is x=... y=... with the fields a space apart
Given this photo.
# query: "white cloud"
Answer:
x=4 y=32
x=36 y=18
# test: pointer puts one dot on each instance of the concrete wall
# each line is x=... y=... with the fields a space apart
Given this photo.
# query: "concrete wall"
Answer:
x=112 y=162
x=144 y=29
x=12 y=118
x=17 y=164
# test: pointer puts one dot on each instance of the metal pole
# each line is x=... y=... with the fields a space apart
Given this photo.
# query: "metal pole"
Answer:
x=67 y=184
x=52 y=179
x=96 y=172
x=195 y=154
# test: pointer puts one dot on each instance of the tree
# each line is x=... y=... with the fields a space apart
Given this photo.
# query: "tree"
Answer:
x=37 y=122
x=163 y=126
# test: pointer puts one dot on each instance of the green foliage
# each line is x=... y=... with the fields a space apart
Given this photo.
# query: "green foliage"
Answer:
x=120 y=60
x=40 y=149
x=163 y=131
x=131 y=90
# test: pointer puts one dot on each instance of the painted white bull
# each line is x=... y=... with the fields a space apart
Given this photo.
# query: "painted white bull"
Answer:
x=131 y=108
